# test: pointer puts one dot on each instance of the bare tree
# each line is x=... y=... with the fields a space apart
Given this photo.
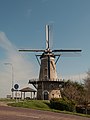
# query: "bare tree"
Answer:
x=87 y=90
x=87 y=83
x=73 y=91
x=78 y=93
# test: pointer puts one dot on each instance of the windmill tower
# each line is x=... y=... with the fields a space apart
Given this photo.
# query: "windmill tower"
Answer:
x=48 y=83
x=48 y=67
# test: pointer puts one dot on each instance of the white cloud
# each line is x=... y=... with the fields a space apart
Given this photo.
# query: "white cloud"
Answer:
x=22 y=68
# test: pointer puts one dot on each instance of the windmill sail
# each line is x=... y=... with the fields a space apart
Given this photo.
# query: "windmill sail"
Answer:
x=61 y=50
x=31 y=50
x=47 y=36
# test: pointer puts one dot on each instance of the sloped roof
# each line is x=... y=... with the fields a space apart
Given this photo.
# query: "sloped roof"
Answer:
x=27 y=89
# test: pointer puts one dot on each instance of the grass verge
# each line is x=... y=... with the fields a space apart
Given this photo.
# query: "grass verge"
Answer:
x=33 y=104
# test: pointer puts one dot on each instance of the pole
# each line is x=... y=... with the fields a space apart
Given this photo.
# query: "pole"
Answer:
x=12 y=81
x=12 y=77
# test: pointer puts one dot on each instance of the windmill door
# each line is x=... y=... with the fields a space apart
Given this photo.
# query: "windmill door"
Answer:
x=46 y=95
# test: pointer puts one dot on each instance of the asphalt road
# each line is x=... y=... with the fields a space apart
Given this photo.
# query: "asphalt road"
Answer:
x=12 y=113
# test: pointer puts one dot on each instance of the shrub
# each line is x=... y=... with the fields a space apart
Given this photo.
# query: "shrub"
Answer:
x=62 y=104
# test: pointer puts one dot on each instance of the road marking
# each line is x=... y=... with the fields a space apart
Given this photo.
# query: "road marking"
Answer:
x=28 y=116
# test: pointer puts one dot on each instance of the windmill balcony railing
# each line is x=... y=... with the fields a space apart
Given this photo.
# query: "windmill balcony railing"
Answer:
x=37 y=80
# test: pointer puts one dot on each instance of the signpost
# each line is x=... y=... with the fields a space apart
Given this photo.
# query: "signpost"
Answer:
x=16 y=86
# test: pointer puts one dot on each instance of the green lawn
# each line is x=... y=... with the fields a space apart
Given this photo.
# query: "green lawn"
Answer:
x=6 y=100
x=34 y=104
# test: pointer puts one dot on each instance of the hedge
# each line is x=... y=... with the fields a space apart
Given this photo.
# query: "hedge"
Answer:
x=61 y=104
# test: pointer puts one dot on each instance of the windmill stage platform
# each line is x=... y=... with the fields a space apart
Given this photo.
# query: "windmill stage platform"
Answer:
x=47 y=89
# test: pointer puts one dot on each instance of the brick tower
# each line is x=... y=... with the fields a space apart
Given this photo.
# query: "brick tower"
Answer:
x=48 y=84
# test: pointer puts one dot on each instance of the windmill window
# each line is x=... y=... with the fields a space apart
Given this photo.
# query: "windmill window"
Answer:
x=45 y=71
x=46 y=77
x=53 y=95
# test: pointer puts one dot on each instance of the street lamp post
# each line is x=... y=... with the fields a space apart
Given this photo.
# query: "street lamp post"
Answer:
x=11 y=78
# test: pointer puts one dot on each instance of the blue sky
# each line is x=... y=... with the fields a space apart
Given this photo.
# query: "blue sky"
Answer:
x=22 y=25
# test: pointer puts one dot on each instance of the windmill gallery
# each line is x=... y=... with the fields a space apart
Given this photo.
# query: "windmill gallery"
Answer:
x=48 y=85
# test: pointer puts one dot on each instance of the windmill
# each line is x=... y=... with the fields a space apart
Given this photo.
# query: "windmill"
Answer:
x=48 y=83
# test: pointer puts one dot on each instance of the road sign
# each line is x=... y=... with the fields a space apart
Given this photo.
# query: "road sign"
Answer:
x=16 y=86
